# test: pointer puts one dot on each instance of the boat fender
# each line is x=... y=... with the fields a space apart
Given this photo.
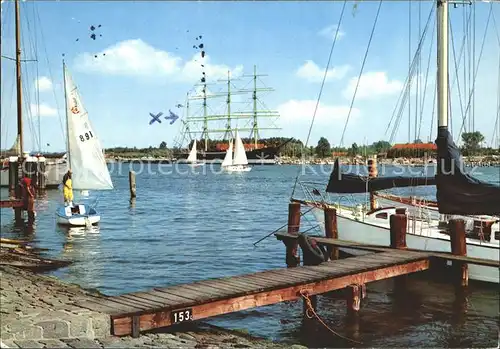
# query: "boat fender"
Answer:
x=311 y=247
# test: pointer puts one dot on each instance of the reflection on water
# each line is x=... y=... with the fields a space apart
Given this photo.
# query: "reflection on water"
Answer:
x=82 y=246
x=188 y=227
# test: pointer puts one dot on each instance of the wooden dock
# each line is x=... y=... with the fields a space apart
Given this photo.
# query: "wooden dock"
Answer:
x=322 y=272
x=161 y=307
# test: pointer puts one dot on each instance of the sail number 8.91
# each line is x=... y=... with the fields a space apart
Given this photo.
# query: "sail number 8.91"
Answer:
x=86 y=136
x=182 y=315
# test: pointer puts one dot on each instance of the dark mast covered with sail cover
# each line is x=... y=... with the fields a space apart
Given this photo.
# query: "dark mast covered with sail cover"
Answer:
x=352 y=183
x=457 y=191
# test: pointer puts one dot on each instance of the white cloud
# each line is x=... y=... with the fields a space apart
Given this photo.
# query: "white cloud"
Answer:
x=330 y=31
x=137 y=58
x=43 y=84
x=311 y=72
x=45 y=110
x=296 y=110
x=372 y=84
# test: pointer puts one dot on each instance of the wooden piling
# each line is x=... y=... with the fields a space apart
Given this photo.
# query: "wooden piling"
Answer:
x=372 y=173
x=459 y=248
x=292 y=257
x=398 y=224
x=131 y=179
x=354 y=295
x=331 y=231
x=398 y=231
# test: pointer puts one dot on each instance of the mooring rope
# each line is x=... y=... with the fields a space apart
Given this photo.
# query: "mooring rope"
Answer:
x=283 y=226
x=314 y=314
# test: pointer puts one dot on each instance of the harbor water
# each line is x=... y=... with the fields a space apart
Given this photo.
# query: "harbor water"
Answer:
x=187 y=225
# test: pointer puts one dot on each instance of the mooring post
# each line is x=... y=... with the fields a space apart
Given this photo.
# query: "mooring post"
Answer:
x=292 y=257
x=372 y=173
x=459 y=248
x=398 y=225
x=131 y=179
x=331 y=231
x=354 y=295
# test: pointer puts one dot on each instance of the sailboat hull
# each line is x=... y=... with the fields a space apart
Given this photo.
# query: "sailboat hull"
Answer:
x=77 y=216
x=378 y=233
x=237 y=168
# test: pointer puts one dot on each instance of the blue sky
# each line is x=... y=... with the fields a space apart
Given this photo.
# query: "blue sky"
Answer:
x=149 y=66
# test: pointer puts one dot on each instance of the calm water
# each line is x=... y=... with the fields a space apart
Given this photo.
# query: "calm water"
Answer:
x=185 y=227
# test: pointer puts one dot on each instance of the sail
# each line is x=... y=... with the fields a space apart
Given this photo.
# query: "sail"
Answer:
x=352 y=183
x=192 y=153
x=86 y=158
x=240 y=156
x=458 y=192
x=228 y=159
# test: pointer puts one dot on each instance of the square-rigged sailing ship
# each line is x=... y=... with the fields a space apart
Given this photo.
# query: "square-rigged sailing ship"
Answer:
x=208 y=127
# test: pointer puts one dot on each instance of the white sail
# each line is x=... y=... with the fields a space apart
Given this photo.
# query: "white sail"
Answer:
x=86 y=158
x=228 y=159
x=240 y=156
x=192 y=153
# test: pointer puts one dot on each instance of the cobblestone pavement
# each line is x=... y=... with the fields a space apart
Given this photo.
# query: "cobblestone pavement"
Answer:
x=36 y=312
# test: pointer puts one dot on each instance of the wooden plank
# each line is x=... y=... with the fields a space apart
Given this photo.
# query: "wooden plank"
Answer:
x=147 y=302
x=152 y=297
x=379 y=248
x=126 y=302
x=226 y=288
x=172 y=298
x=113 y=307
x=122 y=326
x=178 y=291
x=207 y=289
x=251 y=280
x=94 y=306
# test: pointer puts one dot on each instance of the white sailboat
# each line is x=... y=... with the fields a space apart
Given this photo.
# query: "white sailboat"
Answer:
x=363 y=225
x=239 y=163
x=86 y=159
x=192 y=158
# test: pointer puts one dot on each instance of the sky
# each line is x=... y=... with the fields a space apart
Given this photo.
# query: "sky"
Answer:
x=150 y=64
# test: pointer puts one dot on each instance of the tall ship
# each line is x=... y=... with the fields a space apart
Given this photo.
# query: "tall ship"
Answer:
x=212 y=125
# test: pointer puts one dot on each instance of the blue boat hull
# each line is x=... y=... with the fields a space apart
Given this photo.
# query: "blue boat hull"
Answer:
x=78 y=215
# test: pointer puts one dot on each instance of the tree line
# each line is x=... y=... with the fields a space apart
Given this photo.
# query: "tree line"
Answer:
x=292 y=147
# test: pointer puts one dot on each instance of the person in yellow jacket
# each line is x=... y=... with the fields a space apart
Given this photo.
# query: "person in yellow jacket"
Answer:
x=68 y=189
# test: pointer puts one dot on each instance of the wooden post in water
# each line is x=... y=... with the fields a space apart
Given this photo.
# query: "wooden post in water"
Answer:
x=398 y=231
x=354 y=296
x=372 y=173
x=131 y=179
x=292 y=257
x=398 y=224
x=331 y=231
x=459 y=248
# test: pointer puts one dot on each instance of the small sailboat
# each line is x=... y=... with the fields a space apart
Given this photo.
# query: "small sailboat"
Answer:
x=192 y=158
x=85 y=158
x=239 y=163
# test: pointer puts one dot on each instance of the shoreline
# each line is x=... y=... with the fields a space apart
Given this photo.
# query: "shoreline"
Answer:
x=37 y=311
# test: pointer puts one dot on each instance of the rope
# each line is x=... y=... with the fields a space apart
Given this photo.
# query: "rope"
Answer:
x=276 y=230
x=320 y=92
x=476 y=68
x=310 y=313
x=361 y=72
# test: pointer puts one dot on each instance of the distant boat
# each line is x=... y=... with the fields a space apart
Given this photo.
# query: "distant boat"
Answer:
x=191 y=159
x=239 y=163
x=85 y=158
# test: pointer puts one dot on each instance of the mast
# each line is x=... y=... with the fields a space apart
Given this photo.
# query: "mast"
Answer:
x=255 y=128
x=228 y=125
x=205 y=120
x=18 y=83
x=66 y=114
x=442 y=62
